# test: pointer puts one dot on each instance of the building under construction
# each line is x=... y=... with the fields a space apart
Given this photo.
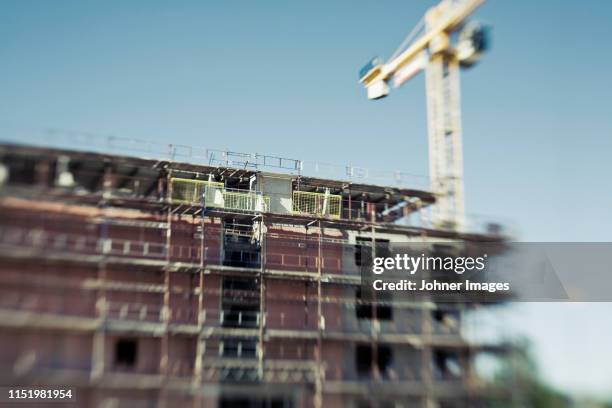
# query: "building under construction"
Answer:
x=144 y=283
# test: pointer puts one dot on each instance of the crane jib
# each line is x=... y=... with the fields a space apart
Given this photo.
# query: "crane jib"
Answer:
x=411 y=69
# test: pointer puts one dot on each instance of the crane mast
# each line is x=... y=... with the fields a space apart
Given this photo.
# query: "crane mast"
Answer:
x=441 y=60
x=445 y=139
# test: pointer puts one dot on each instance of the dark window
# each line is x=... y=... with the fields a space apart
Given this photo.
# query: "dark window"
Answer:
x=364 y=359
x=384 y=310
x=240 y=302
x=448 y=318
x=363 y=251
x=242 y=284
x=363 y=310
x=366 y=306
x=383 y=248
x=255 y=402
x=278 y=403
x=240 y=248
x=126 y=352
x=447 y=365
x=380 y=404
x=236 y=402
x=438 y=315
x=384 y=359
x=240 y=316
x=233 y=348
x=22 y=170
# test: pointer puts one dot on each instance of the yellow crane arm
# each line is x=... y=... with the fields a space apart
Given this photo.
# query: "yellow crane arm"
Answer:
x=455 y=17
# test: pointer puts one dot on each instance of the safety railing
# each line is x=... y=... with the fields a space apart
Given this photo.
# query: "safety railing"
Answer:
x=74 y=140
x=342 y=316
x=134 y=311
x=318 y=204
x=214 y=195
x=49 y=302
x=46 y=240
x=252 y=160
x=187 y=191
x=276 y=371
x=239 y=200
x=230 y=318
x=399 y=376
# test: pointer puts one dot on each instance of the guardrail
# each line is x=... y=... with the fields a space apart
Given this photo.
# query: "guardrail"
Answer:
x=188 y=191
x=318 y=204
x=214 y=195
x=278 y=371
x=75 y=140
x=238 y=200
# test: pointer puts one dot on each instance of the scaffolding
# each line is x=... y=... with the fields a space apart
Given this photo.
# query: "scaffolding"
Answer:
x=224 y=291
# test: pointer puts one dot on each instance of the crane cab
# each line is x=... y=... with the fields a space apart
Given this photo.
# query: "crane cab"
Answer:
x=368 y=74
x=370 y=69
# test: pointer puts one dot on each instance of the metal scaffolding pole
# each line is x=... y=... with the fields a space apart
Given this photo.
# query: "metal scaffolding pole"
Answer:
x=201 y=315
x=262 y=297
x=318 y=401
x=98 y=357
x=166 y=314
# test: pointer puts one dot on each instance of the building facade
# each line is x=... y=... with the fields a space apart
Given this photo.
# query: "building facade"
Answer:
x=145 y=283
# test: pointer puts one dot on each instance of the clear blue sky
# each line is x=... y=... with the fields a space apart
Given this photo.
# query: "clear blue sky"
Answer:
x=281 y=77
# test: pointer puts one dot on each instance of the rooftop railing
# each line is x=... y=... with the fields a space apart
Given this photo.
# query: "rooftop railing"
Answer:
x=95 y=142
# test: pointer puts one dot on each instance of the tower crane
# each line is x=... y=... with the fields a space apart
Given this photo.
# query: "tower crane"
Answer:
x=440 y=44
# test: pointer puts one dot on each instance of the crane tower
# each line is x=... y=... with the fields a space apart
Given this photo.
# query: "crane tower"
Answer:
x=440 y=44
